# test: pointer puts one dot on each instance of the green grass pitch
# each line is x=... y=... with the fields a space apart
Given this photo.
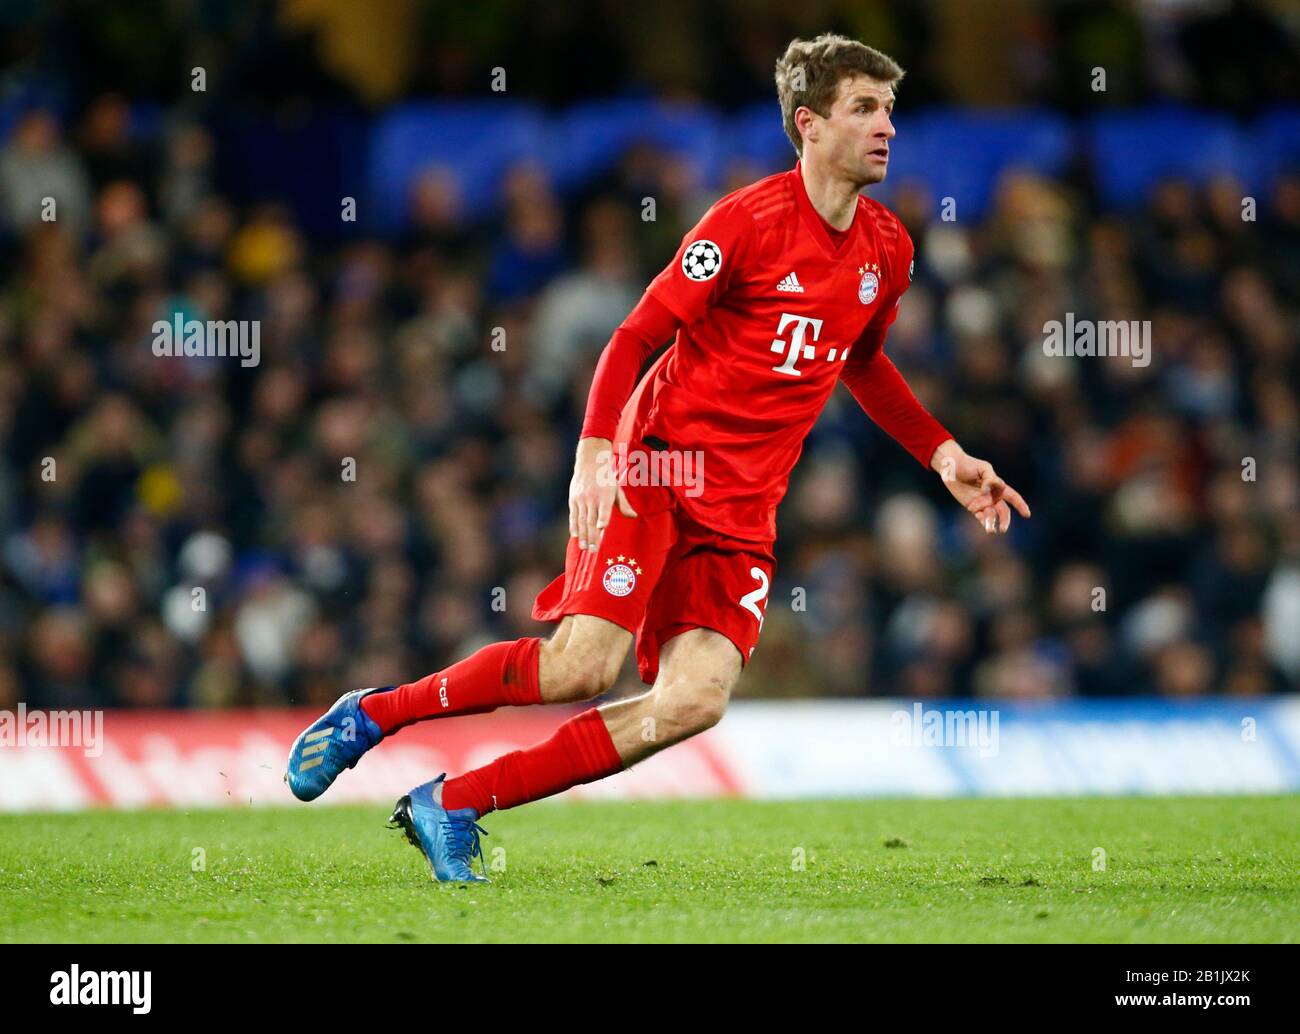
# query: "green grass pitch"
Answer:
x=1175 y=869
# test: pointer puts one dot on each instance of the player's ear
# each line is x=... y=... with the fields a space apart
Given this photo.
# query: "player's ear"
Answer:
x=805 y=119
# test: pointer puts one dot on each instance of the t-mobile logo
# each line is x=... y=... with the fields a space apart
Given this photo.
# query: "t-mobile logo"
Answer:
x=795 y=349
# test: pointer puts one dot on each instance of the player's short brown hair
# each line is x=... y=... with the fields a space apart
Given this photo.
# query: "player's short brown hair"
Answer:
x=809 y=73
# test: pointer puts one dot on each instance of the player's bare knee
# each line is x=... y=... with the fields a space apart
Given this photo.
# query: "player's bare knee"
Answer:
x=579 y=668
x=689 y=707
x=589 y=677
x=610 y=672
x=562 y=674
x=708 y=705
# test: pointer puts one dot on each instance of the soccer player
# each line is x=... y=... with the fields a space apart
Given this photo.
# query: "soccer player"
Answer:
x=783 y=289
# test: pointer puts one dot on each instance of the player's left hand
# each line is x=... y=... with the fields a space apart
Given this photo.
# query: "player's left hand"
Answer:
x=975 y=484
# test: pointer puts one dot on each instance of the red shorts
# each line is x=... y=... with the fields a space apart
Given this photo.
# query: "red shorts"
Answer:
x=660 y=574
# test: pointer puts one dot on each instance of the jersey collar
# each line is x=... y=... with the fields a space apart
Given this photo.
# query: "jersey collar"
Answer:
x=816 y=224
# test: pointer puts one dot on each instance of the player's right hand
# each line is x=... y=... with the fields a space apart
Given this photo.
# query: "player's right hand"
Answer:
x=593 y=492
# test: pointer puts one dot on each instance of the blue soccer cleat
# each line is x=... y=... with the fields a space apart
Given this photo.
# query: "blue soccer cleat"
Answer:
x=335 y=741
x=448 y=839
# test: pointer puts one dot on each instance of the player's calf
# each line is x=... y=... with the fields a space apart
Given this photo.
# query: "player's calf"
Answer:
x=500 y=674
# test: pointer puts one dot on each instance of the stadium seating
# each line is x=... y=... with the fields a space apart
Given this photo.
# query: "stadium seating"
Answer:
x=959 y=153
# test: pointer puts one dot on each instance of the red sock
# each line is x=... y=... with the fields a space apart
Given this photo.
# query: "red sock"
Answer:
x=503 y=673
x=580 y=751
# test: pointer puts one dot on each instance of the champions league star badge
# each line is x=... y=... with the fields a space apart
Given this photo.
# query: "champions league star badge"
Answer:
x=620 y=578
x=869 y=285
x=701 y=261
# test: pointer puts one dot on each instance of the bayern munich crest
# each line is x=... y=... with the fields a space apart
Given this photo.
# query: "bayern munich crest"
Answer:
x=869 y=285
x=702 y=260
x=620 y=578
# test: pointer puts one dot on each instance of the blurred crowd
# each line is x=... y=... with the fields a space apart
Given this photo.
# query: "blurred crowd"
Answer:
x=386 y=490
x=1236 y=54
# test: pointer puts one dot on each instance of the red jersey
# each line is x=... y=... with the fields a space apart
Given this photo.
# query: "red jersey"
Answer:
x=773 y=312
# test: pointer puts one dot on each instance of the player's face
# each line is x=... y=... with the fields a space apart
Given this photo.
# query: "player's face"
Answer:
x=854 y=138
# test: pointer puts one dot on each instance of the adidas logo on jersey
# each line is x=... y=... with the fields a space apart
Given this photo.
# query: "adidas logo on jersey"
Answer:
x=790 y=283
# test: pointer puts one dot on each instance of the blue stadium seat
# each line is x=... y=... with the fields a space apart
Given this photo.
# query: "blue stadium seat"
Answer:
x=957 y=153
x=1130 y=151
x=964 y=154
x=475 y=140
x=756 y=135
x=147 y=120
x=1276 y=142
x=591 y=137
